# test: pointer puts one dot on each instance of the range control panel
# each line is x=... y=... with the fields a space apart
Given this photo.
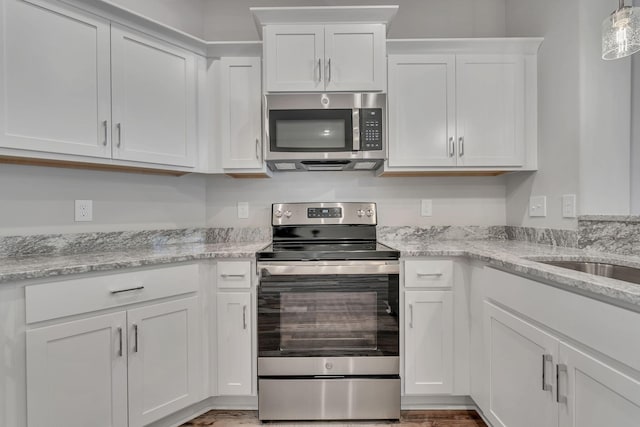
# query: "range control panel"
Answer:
x=371 y=129
x=348 y=213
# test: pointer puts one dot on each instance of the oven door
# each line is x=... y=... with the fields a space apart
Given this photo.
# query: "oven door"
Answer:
x=328 y=318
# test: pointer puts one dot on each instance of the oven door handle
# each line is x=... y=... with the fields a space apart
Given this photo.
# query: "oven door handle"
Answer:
x=319 y=269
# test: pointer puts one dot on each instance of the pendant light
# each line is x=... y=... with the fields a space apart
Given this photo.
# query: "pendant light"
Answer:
x=621 y=32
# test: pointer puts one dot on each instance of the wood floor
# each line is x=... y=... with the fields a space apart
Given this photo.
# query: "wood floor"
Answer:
x=408 y=418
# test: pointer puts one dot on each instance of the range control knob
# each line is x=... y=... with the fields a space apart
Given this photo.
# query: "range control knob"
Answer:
x=360 y=213
x=369 y=212
x=287 y=214
x=277 y=214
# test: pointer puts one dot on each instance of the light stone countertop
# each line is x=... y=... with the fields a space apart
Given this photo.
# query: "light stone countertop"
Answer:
x=519 y=258
x=511 y=256
x=36 y=267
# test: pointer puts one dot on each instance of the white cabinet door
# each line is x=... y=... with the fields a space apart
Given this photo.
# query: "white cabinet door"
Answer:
x=597 y=394
x=235 y=373
x=154 y=100
x=422 y=110
x=164 y=359
x=294 y=58
x=241 y=109
x=77 y=373
x=515 y=353
x=355 y=57
x=54 y=79
x=428 y=341
x=490 y=110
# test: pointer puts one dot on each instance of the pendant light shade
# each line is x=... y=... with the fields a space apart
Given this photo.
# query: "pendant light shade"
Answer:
x=621 y=32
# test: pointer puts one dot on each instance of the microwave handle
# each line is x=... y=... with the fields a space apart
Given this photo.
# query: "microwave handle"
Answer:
x=356 y=128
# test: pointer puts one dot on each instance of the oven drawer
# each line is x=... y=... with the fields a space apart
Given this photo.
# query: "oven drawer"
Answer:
x=329 y=399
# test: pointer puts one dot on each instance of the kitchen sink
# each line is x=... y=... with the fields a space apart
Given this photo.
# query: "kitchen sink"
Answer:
x=620 y=272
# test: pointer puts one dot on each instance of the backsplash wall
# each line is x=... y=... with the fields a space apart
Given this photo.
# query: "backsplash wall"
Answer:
x=456 y=200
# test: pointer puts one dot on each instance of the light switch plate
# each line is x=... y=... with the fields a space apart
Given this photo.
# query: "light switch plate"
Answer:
x=538 y=206
x=243 y=210
x=83 y=210
x=569 y=205
x=426 y=207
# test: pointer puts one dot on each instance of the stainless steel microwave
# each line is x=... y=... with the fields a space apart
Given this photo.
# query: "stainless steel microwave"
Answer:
x=325 y=131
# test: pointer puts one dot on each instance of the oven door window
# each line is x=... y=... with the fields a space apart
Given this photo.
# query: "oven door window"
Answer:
x=328 y=316
x=310 y=130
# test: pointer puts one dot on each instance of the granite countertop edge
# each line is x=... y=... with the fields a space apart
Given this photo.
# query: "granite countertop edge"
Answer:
x=511 y=256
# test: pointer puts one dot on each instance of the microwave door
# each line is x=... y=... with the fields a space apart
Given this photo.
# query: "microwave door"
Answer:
x=311 y=131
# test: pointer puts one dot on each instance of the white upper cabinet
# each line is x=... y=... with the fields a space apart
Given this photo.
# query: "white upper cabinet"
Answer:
x=154 y=100
x=476 y=111
x=490 y=107
x=313 y=58
x=422 y=110
x=241 y=113
x=55 y=86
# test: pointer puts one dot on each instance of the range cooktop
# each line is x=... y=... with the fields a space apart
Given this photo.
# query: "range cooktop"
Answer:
x=339 y=251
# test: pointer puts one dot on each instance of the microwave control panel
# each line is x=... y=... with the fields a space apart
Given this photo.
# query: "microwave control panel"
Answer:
x=370 y=129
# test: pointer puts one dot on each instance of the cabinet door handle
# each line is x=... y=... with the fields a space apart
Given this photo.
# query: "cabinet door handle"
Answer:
x=244 y=317
x=452 y=147
x=119 y=291
x=461 y=146
x=104 y=127
x=560 y=368
x=257 y=148
x=429 y=274
x=319 y=70
x=411 y=316
x=120 y=342
x=135 y=338
x=119 y=129
x=329 y=76
x=546 y=358
x=231 y=275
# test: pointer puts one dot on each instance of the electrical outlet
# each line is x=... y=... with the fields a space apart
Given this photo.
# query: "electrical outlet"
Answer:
x=243 y=210
x=426 y=207
x=569 y=205
x=538 y=206
x=84 y=210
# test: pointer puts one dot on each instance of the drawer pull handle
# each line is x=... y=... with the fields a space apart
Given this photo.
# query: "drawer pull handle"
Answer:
x=429 y=274
x=226 y=276
x=135 y=338
x=546 y=358
x=119 y=291
x=560 y=368
x=120 y=341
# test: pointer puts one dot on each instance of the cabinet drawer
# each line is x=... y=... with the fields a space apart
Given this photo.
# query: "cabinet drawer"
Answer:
x=76 y=296
x=428 y=273
x=234 y=274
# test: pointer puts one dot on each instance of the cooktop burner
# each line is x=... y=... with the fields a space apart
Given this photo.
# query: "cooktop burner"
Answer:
x=325 y=231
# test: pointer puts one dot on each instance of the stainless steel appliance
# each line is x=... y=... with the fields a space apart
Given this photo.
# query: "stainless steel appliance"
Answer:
x=325 y=131
x=328 y=329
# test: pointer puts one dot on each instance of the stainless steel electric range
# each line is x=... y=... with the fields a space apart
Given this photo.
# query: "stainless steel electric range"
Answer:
x=328 y=318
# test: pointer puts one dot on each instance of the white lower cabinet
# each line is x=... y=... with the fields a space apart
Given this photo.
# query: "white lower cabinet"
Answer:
x=520 y=363
x=428 y=341
x=235 y=356
x=535 y=379
x=164 y=359
x=596 y=393
x=77 y=373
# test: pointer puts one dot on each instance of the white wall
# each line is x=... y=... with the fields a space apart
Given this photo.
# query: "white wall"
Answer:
x=456 y=200
x=184 y=15
x=605 y=119
x=231 y=20
x=36 y=200
x=558 y=113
